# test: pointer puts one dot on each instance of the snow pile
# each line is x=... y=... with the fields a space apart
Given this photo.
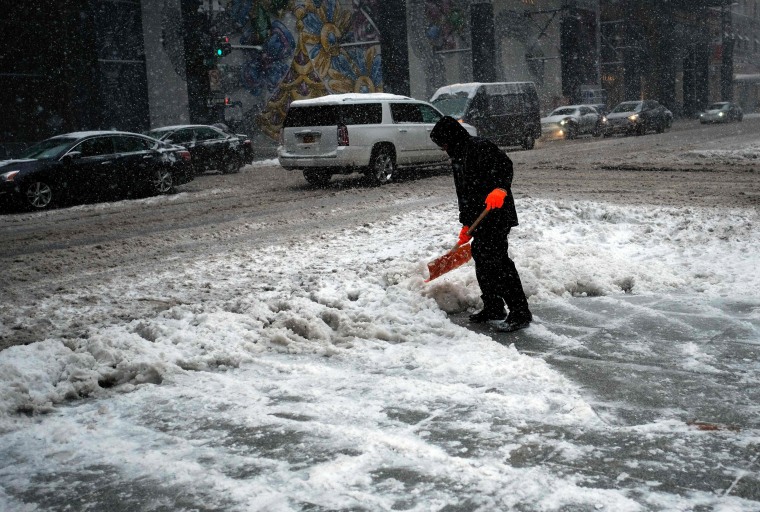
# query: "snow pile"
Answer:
x=363 y=290
x=747 y=152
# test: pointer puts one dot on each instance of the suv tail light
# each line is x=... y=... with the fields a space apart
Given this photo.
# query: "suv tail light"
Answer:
x=185 y=154
x=342 y=135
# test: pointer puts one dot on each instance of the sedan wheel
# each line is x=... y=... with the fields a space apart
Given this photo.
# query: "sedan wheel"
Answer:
x=163 y=181
x=232 y=166
x=382 y=167
x=39 y=195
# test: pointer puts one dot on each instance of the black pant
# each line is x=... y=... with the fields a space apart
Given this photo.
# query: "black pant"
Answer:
x=496 y=272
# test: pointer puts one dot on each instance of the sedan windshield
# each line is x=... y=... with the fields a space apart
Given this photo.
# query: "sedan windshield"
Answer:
x=563 y=112
x=49 y=148
x=717 y=106
x=453 y=105
x=630 y=106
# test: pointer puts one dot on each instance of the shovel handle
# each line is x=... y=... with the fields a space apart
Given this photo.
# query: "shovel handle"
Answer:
x=477 y=221
x=473 y=227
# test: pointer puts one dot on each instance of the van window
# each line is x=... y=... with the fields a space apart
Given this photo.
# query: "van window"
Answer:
x=406 y=113
x=513 y=103
x=497 y=105
x=452 y=104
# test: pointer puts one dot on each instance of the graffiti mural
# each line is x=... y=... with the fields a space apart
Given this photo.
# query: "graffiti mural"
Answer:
x=296 y=49
x=437 y=26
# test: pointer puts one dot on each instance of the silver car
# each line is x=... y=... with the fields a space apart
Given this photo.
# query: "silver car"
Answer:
x=571 y=121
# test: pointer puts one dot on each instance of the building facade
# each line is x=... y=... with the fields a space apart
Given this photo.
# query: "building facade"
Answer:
x=136 y=64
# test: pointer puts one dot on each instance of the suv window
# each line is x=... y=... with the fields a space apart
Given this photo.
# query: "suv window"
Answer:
x=318 y=115
x=406 y=113
x=363 y=113
x=331 y=115
x=429 y=114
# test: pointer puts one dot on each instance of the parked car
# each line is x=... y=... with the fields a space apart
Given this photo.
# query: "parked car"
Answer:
x=637 y=117
x=211 y=148
x=373 y=133
x=571 y=121
x=721 y=112
x=92 y=166
x=600 y=107
x=508 y=113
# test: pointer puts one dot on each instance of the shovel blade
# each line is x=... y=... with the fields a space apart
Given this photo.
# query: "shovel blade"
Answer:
x=449 y=261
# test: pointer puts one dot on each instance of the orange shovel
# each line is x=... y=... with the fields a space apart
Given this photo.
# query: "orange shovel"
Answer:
x=456 y=257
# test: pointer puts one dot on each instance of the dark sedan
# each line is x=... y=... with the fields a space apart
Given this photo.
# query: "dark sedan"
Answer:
x=721 y=112
x=211 y=147
x=92 y=166
x=637 y=117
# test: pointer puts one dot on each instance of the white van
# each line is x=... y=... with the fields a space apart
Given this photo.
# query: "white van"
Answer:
x=373 y=133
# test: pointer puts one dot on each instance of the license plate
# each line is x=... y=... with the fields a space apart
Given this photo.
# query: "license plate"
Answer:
x=308 y=139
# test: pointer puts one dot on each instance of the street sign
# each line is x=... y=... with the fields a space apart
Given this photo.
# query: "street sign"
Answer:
x=214 y=80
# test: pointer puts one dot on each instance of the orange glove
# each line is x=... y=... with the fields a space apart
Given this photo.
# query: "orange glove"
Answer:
x=496 y=198
x=463 y=236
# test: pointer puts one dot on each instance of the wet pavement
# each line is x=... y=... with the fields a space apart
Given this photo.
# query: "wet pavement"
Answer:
x=676 y=381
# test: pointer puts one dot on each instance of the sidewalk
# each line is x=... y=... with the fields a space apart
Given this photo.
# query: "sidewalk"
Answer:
x=674 y=380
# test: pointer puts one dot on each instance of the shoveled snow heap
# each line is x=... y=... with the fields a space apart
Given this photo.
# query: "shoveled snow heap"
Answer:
x=363 y=289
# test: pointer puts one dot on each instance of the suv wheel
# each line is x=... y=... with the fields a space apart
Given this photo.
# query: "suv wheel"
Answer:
x=382 y=166
x=529 y=141
x=317 y=178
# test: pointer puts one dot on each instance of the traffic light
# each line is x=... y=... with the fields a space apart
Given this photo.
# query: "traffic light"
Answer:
x=223 y=46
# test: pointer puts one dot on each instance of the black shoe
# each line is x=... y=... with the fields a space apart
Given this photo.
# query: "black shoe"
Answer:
x=488 y=314
x=514 y=323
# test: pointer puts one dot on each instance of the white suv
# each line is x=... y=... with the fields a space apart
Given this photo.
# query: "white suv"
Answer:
x=373 y=133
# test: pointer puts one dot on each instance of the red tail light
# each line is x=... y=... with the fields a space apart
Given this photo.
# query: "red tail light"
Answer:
x=342 y=135
x=185 y=155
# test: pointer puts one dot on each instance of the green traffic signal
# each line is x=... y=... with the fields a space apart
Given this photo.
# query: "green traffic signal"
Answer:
x=223 y=46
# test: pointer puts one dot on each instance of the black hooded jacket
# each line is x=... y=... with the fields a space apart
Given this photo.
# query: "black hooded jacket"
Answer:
x=479 y=167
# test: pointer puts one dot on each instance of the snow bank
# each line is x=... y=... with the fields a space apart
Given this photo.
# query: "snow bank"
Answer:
x=363 y=290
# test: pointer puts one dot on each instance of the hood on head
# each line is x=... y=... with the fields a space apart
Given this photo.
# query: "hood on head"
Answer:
x=449 y=131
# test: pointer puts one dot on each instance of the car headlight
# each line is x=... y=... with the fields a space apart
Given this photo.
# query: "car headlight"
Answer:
x=8 y=176
x=563 y=122
x=721 y=114
x=604 y=119
x=634 y=117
